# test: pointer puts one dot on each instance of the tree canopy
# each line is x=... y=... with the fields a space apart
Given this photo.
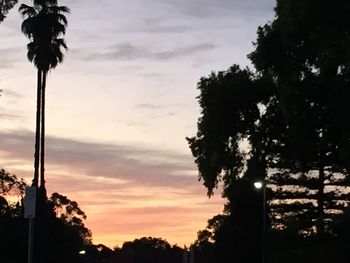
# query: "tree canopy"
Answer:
x=286 y=121
x=5 y=7
x=148 y=250
x=67 y=234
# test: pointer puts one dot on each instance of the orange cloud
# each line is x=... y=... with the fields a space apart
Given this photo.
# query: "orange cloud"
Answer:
x=126 y=191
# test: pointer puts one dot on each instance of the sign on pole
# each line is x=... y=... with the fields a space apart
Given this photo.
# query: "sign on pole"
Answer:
x=29 y=202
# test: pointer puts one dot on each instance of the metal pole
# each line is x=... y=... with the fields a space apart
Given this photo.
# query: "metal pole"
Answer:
x=263 y=224
x=30 y=240
x=185 y=256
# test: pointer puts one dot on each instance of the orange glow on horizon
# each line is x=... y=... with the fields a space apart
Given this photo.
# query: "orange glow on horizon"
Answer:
x=119 y=210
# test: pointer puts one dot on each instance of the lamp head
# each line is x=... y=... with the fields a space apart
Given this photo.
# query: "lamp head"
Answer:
x=258 y=185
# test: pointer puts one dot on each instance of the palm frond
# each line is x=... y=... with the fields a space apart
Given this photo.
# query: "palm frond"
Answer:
x=27 y=27
x=27 y=11
x=58 y=29
x=60 y=42
x=31 y=51
x=62 y=18
x=59 y=9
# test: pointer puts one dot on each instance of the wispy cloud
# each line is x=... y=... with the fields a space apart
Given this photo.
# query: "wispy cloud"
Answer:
x=204 y=9
x=148 y=106
x=157 y=25
x=10 y=56
x=128 y=51
x=9 y=115
x=11 y=94
x=129 y=163
x=153 y=75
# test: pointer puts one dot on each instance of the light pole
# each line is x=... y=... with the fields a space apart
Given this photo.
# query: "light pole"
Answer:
x=261 y=185
x=29 y=212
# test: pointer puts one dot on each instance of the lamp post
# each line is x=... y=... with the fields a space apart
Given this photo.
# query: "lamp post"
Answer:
x=29 y=212
x=261 y=185
x=83 y=256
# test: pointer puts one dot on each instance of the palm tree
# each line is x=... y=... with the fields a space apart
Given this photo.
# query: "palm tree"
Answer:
x=44 y=24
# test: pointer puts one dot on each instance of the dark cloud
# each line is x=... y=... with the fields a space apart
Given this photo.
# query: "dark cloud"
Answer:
x=135 y=165
x=127 y=51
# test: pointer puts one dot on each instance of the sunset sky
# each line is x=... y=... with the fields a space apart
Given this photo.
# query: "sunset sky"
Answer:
x=120 y=106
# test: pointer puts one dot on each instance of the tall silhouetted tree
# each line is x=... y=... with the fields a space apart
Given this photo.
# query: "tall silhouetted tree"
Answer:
x=230 y=111
x=44 y=24
x=285 y=122
x=305 y=51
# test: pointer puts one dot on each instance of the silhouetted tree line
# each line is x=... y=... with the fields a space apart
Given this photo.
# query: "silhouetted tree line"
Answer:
x=147 y=250
x=67 y=238
x=141 y=250
x=65 y=235
x=286 y=122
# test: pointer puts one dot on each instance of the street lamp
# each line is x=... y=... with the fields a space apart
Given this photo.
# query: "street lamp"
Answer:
x=258 y=185
x=261 y=185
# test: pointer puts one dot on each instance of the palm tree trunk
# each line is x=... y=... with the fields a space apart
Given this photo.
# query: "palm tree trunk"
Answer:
x=42 y=158
x=37 y=131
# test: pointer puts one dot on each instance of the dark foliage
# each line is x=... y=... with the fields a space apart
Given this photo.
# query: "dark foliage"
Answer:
x=147 y=250
x=286 y=123
x=5 y=7
x=60 y=231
